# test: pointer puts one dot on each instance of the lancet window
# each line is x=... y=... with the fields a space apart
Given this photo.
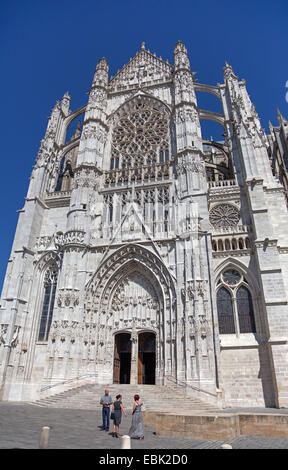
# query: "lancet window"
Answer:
x=234 y=304
x=140 y=138
x=50 y=284
x=66 y=170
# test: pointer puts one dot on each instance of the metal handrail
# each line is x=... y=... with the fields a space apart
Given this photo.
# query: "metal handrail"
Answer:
x=184 y=384
x=48 y=387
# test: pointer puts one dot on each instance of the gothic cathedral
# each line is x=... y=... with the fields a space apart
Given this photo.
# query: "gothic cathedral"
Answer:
x=145 y=254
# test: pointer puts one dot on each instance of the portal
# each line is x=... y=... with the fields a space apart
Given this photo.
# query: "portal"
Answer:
x=146 y=358
x=122 y=359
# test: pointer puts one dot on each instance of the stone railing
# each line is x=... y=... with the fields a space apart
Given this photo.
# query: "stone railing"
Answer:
x=57 y=194
x=221 y=183
x=141 y=175
x=233 y=229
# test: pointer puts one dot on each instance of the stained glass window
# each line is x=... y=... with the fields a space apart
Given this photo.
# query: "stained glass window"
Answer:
x=245 y=310
x=50 y=284
x=225 y=312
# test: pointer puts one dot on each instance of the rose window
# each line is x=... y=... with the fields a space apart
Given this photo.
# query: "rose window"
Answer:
x=224 y=215
x=140 y=138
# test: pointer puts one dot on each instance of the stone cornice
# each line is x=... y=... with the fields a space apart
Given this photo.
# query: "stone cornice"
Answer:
x=96 y=120
x=232 y=253
x=38 y=200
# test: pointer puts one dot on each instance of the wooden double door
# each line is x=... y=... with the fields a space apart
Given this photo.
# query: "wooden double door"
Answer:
x=146 y=358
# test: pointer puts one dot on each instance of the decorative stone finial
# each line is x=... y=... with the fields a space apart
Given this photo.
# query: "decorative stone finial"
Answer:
x=102 y=64
x=228 y=71
x=65 y=102
x=280 y=117
x=143 y=46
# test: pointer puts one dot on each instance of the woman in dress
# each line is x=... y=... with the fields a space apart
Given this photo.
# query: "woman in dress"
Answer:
x=117 y=409
x=137 y=427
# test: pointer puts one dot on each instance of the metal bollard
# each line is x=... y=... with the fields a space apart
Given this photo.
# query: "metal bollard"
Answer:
x=226 y=446
x=44 y=438
x=125 y=442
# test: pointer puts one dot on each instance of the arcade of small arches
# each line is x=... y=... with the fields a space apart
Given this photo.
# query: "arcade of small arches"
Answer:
x=231 y=244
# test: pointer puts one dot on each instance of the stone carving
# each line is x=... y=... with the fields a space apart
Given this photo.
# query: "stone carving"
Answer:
x=68 y=298
x=42 y=243
x=52 y=257
x=91 y=131
x=97 y=95
x=46 y=151
x=142 y=69
x=224 y=215
x=87 y=177
x=14 y=340
x=183 y=115
x=73 y=237
x=3 y=332
x=194 y=289
x=65 y=329
x=184 y=166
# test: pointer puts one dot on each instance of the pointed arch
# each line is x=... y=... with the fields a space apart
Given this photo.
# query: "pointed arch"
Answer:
x=235 y=281
x=120 y=259
x=48 y=300
x=47 y=273
x=225 y=311
x=233 y=263
x=131 y=290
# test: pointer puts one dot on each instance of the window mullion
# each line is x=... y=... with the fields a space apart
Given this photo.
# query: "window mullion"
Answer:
x=235 y=313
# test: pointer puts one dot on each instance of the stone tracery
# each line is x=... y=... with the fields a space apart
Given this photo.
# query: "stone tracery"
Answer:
x=140 y=137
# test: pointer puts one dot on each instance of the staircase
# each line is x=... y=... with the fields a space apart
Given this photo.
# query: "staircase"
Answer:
x=155 y=397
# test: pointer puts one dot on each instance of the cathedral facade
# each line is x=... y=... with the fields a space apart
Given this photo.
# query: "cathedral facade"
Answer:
x=145 y=254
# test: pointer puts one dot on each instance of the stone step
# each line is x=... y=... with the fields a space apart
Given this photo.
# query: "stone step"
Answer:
x=155 y=397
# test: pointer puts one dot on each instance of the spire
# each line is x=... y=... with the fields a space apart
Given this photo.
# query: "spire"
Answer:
x=101 y=73
x=77 y=130
x=280 y=117
x=181 y=60
x=65 y=103
x=228 y=71
x=271 y=128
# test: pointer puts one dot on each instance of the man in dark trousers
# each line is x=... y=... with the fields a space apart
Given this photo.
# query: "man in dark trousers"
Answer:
x=106 y=401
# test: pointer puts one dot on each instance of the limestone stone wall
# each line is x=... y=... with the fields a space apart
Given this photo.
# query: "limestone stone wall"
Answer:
x=246 y=373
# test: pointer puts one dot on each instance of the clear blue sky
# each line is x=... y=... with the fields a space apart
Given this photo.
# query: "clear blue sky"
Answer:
x=49 y=47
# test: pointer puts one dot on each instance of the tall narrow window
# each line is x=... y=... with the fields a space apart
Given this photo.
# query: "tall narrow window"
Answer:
x=245 y=311
x=225 y=311
x=50 y=284
x=234 y=301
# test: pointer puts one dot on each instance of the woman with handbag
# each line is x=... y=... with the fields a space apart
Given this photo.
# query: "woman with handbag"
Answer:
x=116 y=415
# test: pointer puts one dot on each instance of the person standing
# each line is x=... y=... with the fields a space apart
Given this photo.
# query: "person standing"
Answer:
x=117 y=409
x=137 y=427
x=106 y=401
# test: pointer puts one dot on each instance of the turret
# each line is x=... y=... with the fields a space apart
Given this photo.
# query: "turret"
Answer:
x=181 y=60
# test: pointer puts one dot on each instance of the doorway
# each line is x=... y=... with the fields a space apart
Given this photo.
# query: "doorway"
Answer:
x=122 y=359
x=146 y=358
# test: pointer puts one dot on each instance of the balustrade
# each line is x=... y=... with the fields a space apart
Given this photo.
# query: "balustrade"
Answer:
x=141 y=175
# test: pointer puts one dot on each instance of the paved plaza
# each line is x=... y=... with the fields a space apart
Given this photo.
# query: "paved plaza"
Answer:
x=21 y=425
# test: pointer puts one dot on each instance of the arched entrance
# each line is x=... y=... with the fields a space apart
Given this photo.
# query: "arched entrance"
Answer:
x=122 y=359
x=146 y=358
